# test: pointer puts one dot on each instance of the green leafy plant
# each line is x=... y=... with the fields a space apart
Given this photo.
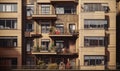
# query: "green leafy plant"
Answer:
x=52 y=30
x=36 y=49
x=52 y=66
x=52 y=47
x=41 y=64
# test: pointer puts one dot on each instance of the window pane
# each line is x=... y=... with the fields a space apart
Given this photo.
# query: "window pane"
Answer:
x=2 y=24
x=71 y=28
x=8 y=41
x=8 y=24
x=14 y=24
x=8 y=7
x=14 y=7
x=60 y=28
x=93 y=60
x=94 y=41
x=45 y=9
x=1 y=7
x=45 y=28
x=94 y=24
x=30 y=10
x=45 y=44
x=90 y=7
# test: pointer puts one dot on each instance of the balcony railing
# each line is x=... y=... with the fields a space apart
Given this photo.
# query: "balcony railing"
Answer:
x=32 y=34
x=65 y=32
x=52 y=12
x=52 y=50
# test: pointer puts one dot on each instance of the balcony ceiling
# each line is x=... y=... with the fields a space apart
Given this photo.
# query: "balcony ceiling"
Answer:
x=44 y=16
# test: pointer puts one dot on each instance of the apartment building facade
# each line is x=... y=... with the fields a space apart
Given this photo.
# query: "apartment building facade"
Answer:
x=97 y=35
x=55 y=34
x=79 y=34
x=10 y=33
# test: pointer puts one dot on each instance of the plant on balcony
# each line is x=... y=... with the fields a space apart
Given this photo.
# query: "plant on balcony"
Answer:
x=41 y=64
x=76 y=32
x=52 y=47
x=57 y=32
x=36 y=49
x=52 y=66
x=52 y=30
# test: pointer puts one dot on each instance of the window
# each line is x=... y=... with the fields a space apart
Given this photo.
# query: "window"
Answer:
x=8 y=62
x=8 y=41
x=30 y=61
x=29 y=44
x=30 y=10
x=46 y=59
x=93 y=60
x=8 y=23
x=60 y=28
x=8 y=7
x=71 y=28
x=65 y=9
x=45 y=9
x=91 y=7
x=94 y=41
x=59 y=45
x=45 y=44
x=29 y=26
x=95 y=24
x=45 y=27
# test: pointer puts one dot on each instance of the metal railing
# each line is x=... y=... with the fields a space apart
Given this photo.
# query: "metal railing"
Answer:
x=56 y=68
x=51 y=12
x=63 y=32
x=56 y=50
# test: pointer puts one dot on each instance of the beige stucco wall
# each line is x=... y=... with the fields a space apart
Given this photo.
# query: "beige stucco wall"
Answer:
x=79 y=21
x=13 y=52
x=111 y=32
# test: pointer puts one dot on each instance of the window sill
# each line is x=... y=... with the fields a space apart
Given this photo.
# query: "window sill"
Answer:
x=9 y=47
x=9 y=12
x=93 y=46
x=8 y=29
x=94 y=65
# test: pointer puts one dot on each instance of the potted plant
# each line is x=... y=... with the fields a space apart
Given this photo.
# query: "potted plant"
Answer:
x=52 y=47
x=36 y=49
x=41 y=64
x=52 y=30
x=52 y=66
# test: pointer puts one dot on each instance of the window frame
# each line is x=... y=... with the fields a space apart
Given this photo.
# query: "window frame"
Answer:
x=13 y=23
x=45 y=8
x=5 y=7
x=92 y=40
x=60 y=9
x=94 y=58
x=95 y=24
x=45 y=46
x=9 y=41
x=98 y=6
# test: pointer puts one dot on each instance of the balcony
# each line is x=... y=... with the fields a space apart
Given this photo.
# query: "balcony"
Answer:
x=32 y=34
x=65 y=33
x=43 y=50
x=44 y=15
x=52 y=51
x=65 y=51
